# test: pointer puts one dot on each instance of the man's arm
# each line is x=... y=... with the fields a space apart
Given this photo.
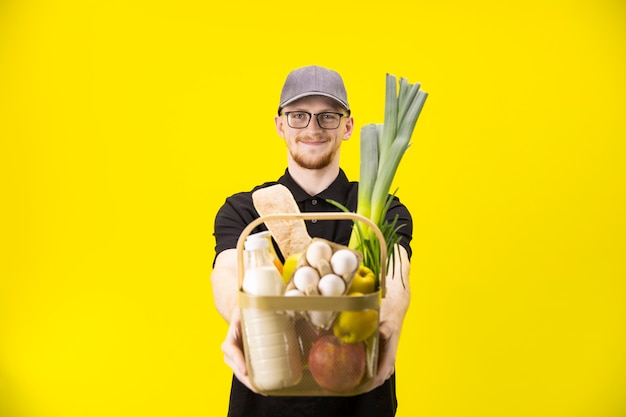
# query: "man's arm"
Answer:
x=392 y=312
x=225 y=291
x=224 y=282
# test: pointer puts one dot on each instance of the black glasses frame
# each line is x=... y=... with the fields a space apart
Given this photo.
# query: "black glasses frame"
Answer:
x=317 y=118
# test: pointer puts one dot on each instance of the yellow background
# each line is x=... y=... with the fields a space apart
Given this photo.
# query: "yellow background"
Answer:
x=125 y=124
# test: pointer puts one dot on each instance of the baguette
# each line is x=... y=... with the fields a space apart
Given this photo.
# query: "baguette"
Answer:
x=290 y=235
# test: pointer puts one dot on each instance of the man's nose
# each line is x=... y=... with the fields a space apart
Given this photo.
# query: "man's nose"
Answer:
x=314 y=123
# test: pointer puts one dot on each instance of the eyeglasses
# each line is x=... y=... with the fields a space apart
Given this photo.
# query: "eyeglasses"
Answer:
x=325 y=120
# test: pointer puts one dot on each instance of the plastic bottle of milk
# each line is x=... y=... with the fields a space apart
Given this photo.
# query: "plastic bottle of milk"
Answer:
x=273 y=350
x=274 y=256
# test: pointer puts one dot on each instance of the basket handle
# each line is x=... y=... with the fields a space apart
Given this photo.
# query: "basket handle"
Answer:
x=318 y=216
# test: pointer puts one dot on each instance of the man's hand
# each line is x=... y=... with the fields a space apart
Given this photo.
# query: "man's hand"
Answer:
x=388 y=347
x=392 y=313
x=233 y=350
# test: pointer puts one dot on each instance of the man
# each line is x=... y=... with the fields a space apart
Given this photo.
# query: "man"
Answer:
x=313 y=119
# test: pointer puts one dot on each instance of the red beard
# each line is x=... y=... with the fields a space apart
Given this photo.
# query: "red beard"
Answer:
x=319 y=161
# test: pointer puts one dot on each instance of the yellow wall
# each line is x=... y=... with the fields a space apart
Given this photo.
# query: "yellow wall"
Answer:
x=125 y=124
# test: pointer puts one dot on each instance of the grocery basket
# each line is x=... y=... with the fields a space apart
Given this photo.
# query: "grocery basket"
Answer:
x=320 y=363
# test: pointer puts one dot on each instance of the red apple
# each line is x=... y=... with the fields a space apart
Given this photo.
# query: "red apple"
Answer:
x=337 y=366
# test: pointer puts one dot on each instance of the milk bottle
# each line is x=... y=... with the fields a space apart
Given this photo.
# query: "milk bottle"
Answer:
x=273 y=350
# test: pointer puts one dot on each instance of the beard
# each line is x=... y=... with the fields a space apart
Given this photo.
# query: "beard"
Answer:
x=313 y=161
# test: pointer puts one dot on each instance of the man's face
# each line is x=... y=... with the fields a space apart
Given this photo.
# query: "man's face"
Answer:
x=313 y=147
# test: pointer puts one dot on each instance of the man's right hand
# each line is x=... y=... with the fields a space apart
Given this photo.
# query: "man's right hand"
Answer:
x=233 y=350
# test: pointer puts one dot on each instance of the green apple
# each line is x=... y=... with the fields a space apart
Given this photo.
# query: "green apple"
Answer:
x=364 y=281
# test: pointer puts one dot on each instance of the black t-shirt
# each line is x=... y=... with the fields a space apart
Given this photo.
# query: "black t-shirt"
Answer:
x=234 y=215
x=238 y=211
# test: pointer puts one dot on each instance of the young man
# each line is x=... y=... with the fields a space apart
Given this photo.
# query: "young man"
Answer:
x=313 y=119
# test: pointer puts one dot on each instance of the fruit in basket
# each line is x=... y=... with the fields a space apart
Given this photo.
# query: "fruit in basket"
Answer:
x=356 y=326
x=336 y=366
x=289 y=267
x=364 y=281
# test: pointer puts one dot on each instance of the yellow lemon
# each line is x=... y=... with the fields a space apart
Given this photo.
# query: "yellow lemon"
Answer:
x=289 y=267
x=364 y=281
x=356 y=326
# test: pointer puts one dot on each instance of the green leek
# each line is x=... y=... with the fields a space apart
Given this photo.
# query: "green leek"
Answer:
x=382 y=149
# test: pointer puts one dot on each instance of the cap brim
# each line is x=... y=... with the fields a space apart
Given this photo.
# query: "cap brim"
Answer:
x=314 y=93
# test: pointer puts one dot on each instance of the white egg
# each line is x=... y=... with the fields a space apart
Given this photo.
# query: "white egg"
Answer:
x=321 y=319
x=306 y=279
x=332 y=285
x=293 y=293
x=344 y=262
x=318 y=250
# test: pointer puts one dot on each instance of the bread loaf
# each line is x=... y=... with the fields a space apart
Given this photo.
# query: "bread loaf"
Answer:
x=290 y=235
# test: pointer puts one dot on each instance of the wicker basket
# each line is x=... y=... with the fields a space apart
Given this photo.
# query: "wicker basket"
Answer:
x=354 y=373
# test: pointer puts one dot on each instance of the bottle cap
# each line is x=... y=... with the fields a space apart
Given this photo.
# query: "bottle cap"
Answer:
x=264 y=233
x=256 y=244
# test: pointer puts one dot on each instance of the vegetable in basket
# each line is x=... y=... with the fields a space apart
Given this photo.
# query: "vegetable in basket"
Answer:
x=382 y=148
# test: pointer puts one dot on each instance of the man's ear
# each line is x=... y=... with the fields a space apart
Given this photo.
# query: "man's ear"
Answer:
x=279 y=126
x=349 y=128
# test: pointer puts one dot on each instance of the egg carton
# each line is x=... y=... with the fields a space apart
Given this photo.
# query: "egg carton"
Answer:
x=324 y=269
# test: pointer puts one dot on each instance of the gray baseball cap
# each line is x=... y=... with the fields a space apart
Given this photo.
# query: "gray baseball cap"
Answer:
x=313 y=81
